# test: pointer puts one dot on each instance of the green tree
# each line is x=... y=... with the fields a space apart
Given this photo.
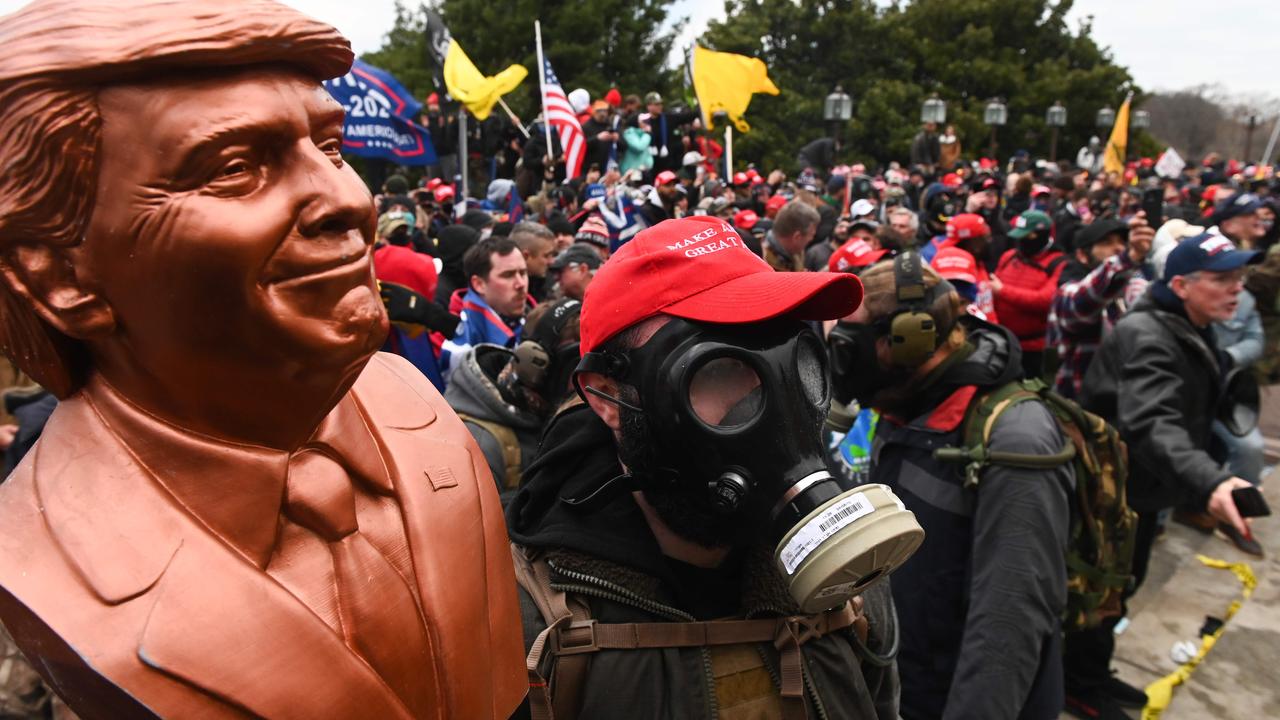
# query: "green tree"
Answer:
x=891 y=59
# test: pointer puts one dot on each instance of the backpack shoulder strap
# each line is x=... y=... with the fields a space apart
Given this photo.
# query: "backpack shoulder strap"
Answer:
x=560 y=614
x=508 y=442
x=980 y=420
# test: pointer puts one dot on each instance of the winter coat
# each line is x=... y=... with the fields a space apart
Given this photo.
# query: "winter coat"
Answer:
x=635 y=150
x=1029 y=285
x=599 y=151
x=1159 y=381
x=609 y=559
x=474 y=395
x=979 y=640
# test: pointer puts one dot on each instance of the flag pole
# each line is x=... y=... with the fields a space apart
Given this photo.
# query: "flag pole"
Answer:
x=515 y=120
x=728 y=150
x=460 y=208
x=1271 y=144
x=542 y=89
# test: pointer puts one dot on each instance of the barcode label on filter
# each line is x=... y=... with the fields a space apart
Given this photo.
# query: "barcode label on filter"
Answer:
x=818 y=529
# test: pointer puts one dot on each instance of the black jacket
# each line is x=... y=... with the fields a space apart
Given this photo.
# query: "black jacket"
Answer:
x=599 y=151
x=1159 y=381
x=980 y=603
x=610 y=559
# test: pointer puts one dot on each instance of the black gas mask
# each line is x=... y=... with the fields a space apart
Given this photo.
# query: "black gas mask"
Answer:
x=732 y=415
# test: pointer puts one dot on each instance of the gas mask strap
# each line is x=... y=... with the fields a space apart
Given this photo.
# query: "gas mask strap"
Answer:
x=611 y=365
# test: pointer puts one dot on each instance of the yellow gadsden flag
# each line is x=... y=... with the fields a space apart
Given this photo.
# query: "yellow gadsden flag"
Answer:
x=1113 y=160
x=726 y=82
x=471 y=88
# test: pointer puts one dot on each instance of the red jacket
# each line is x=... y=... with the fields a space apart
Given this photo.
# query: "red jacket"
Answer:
x=1029 y=286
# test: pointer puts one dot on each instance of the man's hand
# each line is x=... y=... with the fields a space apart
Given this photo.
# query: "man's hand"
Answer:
x=7 y=434
x=406 y=306
x=776 y=178
x=996 y=285
x=1223 y=507
x=1140 y=237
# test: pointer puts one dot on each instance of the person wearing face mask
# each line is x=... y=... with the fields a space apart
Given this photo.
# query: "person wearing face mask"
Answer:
x=1028 y=275
x=679 y=526
x=981 y=602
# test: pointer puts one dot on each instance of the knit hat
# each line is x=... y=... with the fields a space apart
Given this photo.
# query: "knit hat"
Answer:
x=593 y=231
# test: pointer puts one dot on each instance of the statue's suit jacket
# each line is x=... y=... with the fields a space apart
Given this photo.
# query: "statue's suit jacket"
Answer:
x=130 y=607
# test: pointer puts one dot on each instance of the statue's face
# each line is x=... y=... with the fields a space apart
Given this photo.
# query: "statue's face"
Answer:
x=228 y=235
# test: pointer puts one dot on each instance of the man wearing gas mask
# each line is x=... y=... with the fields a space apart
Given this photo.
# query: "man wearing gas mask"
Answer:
x=682 y=550
x=980 y=603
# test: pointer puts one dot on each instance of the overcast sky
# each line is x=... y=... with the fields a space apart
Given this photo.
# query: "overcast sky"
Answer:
x=1167 y=44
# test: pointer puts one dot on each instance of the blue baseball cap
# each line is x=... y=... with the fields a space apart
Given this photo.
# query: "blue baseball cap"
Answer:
x=593 y=191
x=1209 y=252
x=1240 y=203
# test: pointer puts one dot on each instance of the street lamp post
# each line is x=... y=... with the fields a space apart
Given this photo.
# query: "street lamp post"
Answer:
x=836 y=111
x=1055 y=117
x=1106 y=118
x=934 y=110
x=996 y=115
x=1140 y=120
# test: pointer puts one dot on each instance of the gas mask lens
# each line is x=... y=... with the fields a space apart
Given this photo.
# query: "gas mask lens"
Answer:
x=725 y=392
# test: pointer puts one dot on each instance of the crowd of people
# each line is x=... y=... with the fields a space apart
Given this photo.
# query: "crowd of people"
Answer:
x=641 y=352
x=1148 y=300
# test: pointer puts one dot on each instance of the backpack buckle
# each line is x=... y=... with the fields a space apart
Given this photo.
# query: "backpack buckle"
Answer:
x=578 y=637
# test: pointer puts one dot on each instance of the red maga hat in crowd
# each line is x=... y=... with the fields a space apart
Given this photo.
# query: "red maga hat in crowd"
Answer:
x=698 y=268
x=967 y=225
x=854 y=255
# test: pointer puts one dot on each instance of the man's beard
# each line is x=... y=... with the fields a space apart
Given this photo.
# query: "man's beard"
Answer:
x=686 y=516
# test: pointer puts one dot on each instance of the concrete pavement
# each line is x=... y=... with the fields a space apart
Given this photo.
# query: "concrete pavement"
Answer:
x=1240 y=677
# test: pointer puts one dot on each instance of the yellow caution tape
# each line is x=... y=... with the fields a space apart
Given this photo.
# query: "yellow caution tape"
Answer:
x=1160 y=692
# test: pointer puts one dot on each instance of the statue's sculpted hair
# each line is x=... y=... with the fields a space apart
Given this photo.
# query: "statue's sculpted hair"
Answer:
x=54 y=57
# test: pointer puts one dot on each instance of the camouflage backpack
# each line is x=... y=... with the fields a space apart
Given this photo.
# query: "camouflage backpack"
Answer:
x=1101 y=536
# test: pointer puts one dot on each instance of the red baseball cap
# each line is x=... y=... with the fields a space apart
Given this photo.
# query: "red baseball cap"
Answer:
x=741 y=178
x=952 y=180
x=965 y=226
x=955 y=264
x=854 y=255
x=664 y=177
x=746 y=219
x=699 y=269
x=1040 y=190
x=444 y=192
x=434 y=183
x=775 y=204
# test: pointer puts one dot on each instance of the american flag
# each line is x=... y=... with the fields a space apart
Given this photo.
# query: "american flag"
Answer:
x=565 y=122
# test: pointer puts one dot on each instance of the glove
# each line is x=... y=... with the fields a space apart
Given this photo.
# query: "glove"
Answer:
x=406 y=306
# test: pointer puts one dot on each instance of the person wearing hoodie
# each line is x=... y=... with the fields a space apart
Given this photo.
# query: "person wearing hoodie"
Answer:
x=980 y=604
x=938 y=206
x=616 y=525
x=504 y=397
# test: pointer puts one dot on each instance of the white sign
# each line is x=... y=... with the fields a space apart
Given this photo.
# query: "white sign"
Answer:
x=1170 y=164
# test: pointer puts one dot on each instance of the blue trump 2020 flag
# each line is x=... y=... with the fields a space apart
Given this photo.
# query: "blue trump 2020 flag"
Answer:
x=380 y=117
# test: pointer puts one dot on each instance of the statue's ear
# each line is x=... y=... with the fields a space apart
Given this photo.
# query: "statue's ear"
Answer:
x=43 y=276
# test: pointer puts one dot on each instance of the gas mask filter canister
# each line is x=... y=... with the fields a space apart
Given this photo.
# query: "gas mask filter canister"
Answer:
x=735 y=415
